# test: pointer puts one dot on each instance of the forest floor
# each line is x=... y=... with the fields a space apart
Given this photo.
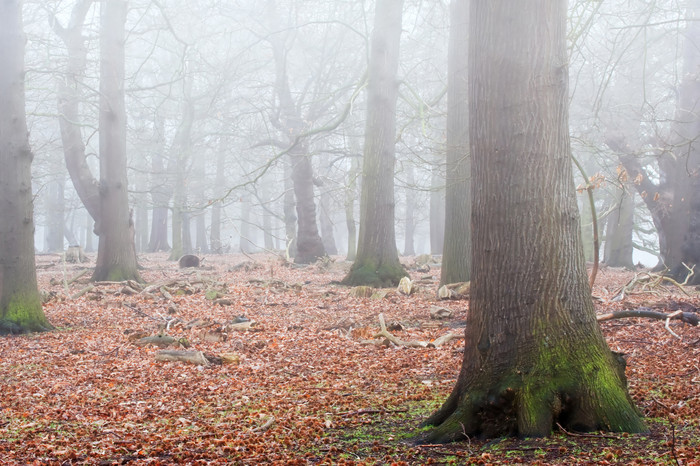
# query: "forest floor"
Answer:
x=298 y=386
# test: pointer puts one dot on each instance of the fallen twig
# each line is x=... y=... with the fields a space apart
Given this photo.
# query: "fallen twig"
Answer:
x=140 y=312
x=371 y=411
x=575 y=434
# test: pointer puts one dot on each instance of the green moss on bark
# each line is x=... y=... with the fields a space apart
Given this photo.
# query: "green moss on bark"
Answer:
x=369 y=273
x=23 y=314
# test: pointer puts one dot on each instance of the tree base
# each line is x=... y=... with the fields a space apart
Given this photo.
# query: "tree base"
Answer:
x=370 y=274
x=592 y=396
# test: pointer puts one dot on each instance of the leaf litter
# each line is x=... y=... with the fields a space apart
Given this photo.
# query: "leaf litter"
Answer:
x=297 y=382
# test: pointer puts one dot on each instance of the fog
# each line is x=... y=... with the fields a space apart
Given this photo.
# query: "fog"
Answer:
x=220 y=97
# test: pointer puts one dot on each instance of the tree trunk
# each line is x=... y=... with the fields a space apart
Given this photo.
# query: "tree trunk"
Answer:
x=409 y=217
x=456 y=255
x=20 y=304
x=377 y=262
x=69 y=96
x=534 y=352
x=161 y=191
x=308 y=245
x=116 y=254
x=247 y=245
x=289 y=209
x=215 y=235
x=350 y=196
x=437 y=207
x=618 y=235
x=55 y=223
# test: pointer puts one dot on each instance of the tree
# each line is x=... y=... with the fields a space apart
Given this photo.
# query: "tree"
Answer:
x=20 y=303
x=456 y=257
x=534 y=352
x=116 y=254
x=377 y=261
x=673 y=198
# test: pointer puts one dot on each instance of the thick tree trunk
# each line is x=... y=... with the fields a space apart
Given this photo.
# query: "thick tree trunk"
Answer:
x=20 y=304
x=534 y=352
x=116 y=254
x=377 y=262
x=456 y=256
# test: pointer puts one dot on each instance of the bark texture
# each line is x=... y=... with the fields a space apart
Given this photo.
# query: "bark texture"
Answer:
x=456 y=257
x=377 y=261
x=534 y=352
x=20 y=304
x=116 y=254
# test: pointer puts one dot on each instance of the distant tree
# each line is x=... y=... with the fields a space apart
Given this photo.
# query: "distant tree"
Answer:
x=20 y=303
x=534 y=354
x=669 y=181
x=619 y=229
x=116 y=254
x=456 y=254
x=377 y=261
x=289 y=120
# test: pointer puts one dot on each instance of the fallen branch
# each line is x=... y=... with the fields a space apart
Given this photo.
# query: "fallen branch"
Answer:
x=70 y=282
x=687 y=317
x=574 y=434
x=83 y=291
x=371 y=411
x=385 y=338
x=141 y=312
x=191 y=357
x=266 y=425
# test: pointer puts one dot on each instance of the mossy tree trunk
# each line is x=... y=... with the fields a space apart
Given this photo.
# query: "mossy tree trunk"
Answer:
x=116 y=253
x=456 y=256
x=534 y=352
x=377 y=261
x=20 y=304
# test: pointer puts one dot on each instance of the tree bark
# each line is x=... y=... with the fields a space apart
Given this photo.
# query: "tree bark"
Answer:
x=20 y=304
x=116 y=254
x=456 y=256
x=409 y=217
x=308 y=245
x=534 y=353
x=619 y=229
x=377 y=262
x=69 y=97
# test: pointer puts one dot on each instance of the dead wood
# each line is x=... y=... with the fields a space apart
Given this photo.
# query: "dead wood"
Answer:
x=687 y=317
x=386 y=338
x=70 y=282
x=190 y=357
x=160 y=340
x=82 y=292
